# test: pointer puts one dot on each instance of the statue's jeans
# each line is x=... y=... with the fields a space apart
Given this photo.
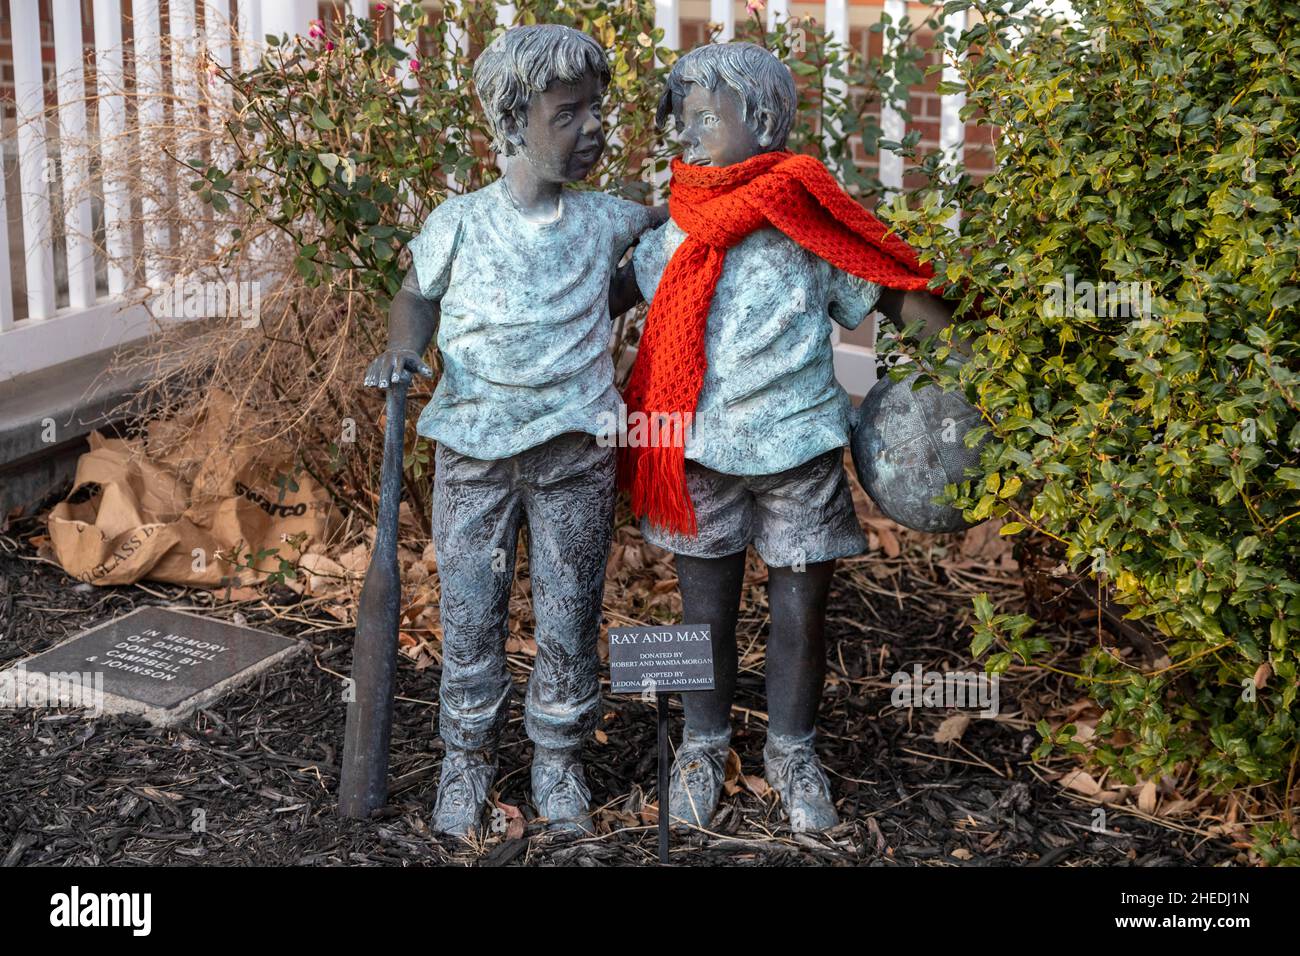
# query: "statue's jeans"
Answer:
x=563 y=490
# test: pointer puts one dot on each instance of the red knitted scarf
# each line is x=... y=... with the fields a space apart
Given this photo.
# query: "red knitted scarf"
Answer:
x=717 y=207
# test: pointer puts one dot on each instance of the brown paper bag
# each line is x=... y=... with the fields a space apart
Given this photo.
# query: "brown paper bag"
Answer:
x=230 y=519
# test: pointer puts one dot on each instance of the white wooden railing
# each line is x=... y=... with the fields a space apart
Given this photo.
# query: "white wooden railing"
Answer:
x=94 y=320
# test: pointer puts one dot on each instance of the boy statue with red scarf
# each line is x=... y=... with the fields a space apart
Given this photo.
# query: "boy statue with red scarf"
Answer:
x=763 y=251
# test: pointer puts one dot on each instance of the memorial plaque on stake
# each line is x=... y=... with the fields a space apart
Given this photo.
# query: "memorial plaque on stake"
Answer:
x=666 y=659
x=157 y=662
x=660 y=660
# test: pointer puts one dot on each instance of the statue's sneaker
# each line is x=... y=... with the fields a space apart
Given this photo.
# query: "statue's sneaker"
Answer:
x=467 y=776
x=696 y=779
x=560 y=791
x=795 y=773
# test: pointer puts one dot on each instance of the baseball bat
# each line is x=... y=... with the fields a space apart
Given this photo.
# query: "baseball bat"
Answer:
x=363 y=782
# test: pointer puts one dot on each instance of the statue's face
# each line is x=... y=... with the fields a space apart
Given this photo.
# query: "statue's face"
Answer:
x=713 y=129
x=563 y=138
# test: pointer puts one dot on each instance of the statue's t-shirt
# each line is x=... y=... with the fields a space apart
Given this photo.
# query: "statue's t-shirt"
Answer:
x=770 y=399
x=524 y=331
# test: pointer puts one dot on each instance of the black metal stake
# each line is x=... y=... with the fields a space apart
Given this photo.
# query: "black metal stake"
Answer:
x=661 y=703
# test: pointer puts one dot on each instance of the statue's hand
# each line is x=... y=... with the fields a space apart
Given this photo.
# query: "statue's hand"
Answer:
x=396 y=365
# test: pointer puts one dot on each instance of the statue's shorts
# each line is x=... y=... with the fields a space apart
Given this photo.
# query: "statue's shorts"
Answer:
x=798 y=516
x=563 y=490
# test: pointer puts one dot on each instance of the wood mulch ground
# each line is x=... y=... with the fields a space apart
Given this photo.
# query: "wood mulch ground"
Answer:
x=261 y=764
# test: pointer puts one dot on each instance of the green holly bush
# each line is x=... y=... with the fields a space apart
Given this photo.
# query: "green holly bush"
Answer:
x=1137 y=356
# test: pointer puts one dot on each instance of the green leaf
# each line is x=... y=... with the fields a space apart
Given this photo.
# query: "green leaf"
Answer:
x=1286 y=297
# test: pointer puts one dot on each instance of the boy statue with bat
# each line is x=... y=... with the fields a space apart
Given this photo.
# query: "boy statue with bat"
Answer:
x=763 y=251
x=519 y=279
